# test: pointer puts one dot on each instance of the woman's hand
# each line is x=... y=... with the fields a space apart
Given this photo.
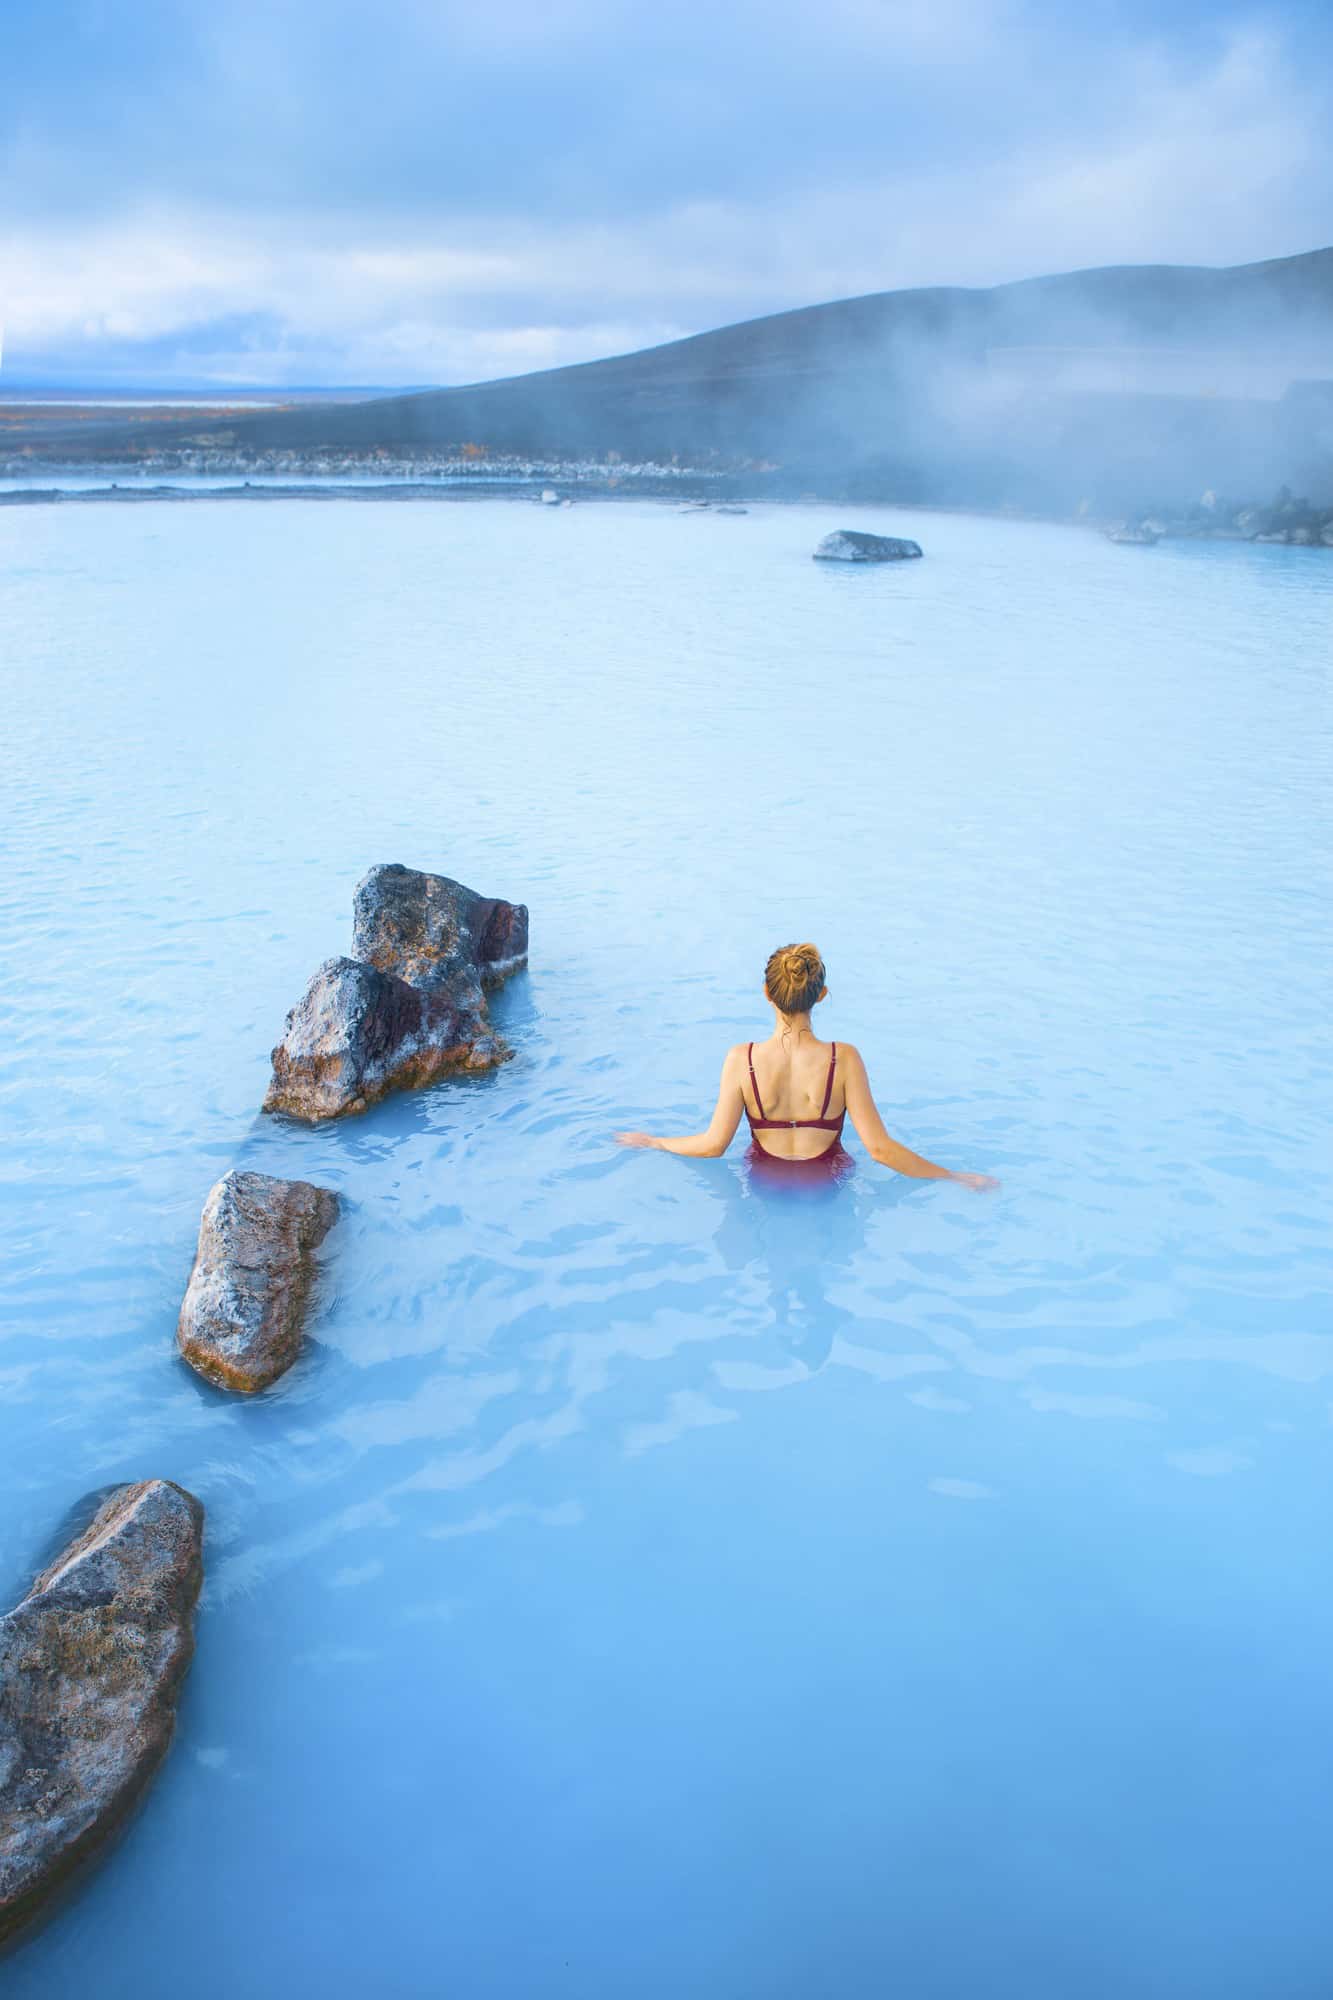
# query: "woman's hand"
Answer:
x=980 y=1183
x=713 y=1143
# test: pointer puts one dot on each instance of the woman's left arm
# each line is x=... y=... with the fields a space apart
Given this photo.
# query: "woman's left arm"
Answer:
x=713 y=1143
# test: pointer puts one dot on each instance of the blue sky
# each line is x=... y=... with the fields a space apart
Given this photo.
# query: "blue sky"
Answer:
x=419 y=191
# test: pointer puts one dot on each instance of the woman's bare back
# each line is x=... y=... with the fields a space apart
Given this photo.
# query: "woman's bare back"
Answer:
x=797 y=1092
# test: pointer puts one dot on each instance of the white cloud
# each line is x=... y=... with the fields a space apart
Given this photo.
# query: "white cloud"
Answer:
x=1232 y=157
x=1229 y=164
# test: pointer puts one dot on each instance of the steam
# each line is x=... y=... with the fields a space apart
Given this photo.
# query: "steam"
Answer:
x=1119 y=388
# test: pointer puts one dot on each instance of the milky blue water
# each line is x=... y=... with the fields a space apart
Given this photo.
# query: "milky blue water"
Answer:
x=644 y=1587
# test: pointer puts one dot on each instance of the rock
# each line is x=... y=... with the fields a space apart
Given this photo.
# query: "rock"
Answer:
x=1253 y=521
x=434 y=933
x=358 y=1033
x=240 y=1323
x=721 y=509
x=1140 y=537
x=849 y=545
x=91 y=1664
x=1302 y=538
x=1326 y=534
x=550 y=498
x=409 y=1006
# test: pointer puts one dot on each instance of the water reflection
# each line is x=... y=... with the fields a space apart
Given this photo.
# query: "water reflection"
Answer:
x=797 y=1238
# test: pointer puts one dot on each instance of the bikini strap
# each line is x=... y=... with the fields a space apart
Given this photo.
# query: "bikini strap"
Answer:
x=754 y=1081
x=828 y=1087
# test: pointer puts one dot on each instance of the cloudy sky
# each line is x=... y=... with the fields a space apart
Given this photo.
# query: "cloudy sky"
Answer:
x=328 y=191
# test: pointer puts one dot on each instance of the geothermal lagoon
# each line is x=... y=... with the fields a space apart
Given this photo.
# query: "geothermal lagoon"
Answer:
x=641 y=1584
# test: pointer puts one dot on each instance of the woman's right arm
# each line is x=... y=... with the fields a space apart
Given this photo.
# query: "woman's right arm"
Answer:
x=864 y=1114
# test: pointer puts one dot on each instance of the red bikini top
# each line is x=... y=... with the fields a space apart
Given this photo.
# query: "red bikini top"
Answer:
x=823 y=1123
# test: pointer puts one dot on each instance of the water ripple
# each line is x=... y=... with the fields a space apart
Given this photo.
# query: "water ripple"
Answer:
x=606 y=1554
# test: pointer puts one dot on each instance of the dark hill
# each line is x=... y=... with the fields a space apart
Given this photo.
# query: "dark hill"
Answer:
x=1029 y=391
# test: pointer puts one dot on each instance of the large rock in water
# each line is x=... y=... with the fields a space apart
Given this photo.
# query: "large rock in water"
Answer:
x=410 y=1006
x=91 y=1663
x=357 y=1034
x=849 y=545
x=435 y=933
x=241 y=1320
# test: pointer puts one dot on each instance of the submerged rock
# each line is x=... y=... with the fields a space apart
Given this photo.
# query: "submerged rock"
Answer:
x=241 y=1321
x=91 y=1663
x=850 y=545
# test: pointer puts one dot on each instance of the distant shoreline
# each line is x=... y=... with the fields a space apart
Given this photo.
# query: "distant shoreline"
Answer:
x=335 y=488
x=690 y=489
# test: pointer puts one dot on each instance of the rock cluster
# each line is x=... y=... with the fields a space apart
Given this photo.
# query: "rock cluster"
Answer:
x=409 y=1006
x=1299 y=523
x=241 y=1321
x=850 y=545
x=446 y=467
x=91 y=1664
x=92 y=1660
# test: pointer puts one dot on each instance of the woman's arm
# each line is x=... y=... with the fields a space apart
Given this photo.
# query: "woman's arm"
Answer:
x=709 y=1145
x=864 y=1114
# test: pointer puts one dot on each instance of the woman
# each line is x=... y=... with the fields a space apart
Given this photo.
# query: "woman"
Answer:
x=796 y=1091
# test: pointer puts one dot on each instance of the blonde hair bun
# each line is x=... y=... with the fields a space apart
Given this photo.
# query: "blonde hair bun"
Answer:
x=794 y=978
